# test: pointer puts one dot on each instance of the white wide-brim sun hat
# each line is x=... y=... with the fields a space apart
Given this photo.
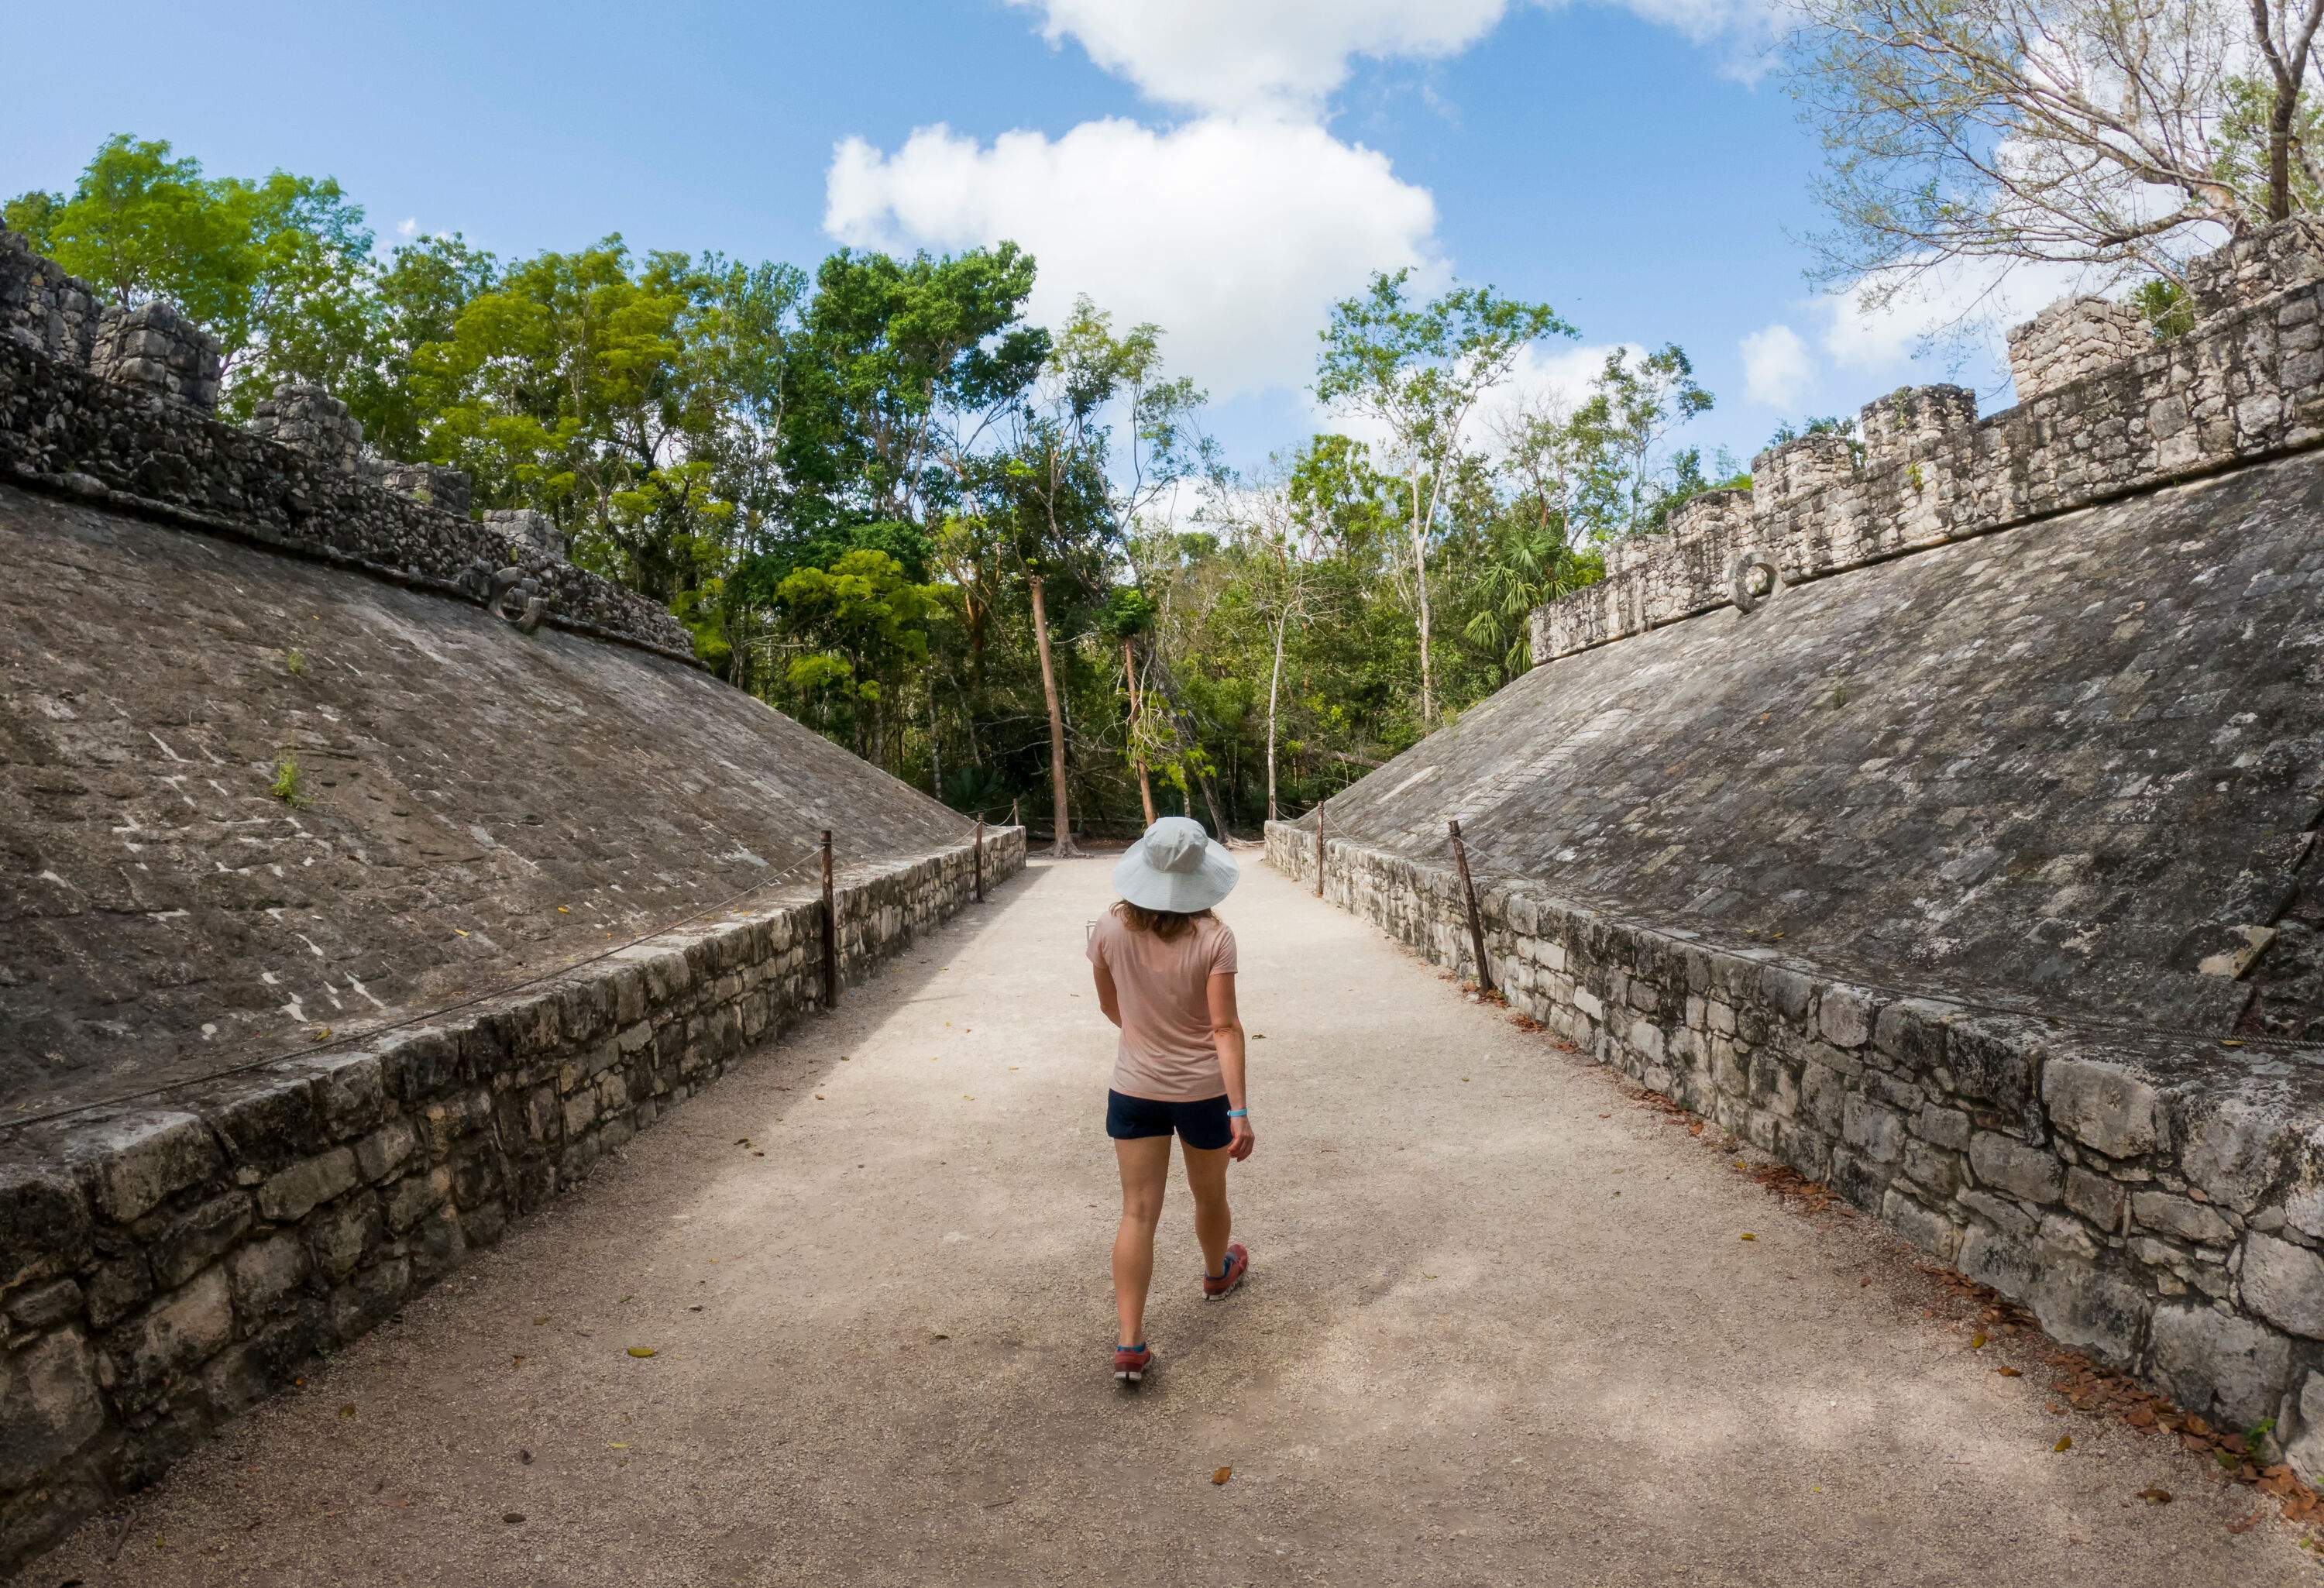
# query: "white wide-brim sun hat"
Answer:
x=1175 y=867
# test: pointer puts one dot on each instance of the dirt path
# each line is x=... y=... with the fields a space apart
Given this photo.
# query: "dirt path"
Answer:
x=1502 y=1330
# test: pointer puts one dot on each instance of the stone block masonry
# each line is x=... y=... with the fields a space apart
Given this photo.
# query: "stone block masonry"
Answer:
x=63 y=429
x=2102 y=414
x=162 y=1265
x=113 y=405
x=2158 y=1203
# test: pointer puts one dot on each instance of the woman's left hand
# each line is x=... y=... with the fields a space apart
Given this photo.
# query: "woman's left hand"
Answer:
x=1245 y=1139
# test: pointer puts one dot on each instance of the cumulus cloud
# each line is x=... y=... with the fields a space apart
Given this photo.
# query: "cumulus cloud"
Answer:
x=1776 y=366
x=1234 y=236
x=409 y=226
x=1238 y=57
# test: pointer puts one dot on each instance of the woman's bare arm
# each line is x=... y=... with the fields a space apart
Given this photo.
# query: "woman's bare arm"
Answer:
x=1108 y=1002
x=1226 y=1031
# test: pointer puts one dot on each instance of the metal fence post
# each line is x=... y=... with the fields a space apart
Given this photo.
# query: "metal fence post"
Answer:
x=980 y=857
x=830 y=933
x=1469 y=891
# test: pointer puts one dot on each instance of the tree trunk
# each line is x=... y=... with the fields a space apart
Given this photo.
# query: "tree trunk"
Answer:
x=1274 y=685
x=1420 y=580
x=2279 y=153
x=1137 y=719
x=1063 y=848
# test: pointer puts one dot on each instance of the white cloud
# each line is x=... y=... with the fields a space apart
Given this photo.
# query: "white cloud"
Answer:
x=1233 y=236
x=1776 y=366
x=1243 y=55
x=409 y=226
x=1238 y=57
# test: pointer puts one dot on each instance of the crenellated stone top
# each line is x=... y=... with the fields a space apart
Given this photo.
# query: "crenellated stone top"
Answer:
x=2104 y=411
x=115 y=404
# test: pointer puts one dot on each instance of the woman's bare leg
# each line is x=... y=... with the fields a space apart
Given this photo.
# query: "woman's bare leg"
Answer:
x=1145 y=1164
x=1206 y=1177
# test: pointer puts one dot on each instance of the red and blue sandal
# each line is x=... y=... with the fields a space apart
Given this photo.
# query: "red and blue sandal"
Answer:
x=1231 y=1274
x=1131 y=1363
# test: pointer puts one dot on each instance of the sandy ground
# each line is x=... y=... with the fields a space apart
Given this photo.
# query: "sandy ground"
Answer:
x=1501 y=1329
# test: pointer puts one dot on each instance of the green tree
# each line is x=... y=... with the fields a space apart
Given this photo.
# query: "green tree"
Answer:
x=274 y=269
x=1420 y=370
x=861 y=626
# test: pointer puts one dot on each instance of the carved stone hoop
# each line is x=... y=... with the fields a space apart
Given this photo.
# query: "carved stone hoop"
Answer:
x=1740 y=587
x=503 y=585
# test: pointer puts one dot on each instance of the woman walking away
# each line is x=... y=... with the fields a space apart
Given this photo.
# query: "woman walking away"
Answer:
x=1165 y=974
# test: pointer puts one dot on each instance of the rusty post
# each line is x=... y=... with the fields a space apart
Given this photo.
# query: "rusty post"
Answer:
x=980 y=857
x=1319 y=848
x=830 y=933
x=1012 y=815
x=1469 y=891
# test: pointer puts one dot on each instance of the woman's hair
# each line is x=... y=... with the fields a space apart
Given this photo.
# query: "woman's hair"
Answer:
x=1165 y=924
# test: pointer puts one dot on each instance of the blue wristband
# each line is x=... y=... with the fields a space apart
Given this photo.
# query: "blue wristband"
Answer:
x=1237 y=1113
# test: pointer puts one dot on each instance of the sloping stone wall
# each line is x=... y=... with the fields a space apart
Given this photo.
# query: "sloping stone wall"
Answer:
x=2157 y=1202
x=165 y=1264
x=2248 y=384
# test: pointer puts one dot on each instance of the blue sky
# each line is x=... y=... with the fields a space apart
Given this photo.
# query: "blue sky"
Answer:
x=1225 y=167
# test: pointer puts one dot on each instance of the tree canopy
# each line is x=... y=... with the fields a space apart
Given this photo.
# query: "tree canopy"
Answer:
x=1003 y=561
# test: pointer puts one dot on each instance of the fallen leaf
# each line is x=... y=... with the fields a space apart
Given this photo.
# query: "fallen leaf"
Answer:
x=525 y=1456
x=511 y=1516
x=632 y=1295
x=1748 y=1236
x=641 y=1351
x=2008 y=1372
x=540 y=1320
x=562 y=910
x=2065 y=1442
x=2155 y=1496
x=1222 y=1474
x=347 y=1410
x=1977 y=1341
x=460 y=933
x=616 y=1445
x=2243 y=1524
x=516 y=1362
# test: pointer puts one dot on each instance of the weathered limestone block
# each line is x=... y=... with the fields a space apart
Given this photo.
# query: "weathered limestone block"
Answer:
x=136 y=1161
x=2176 y=1215
x=2072 y=338
x=1785 y=476
x=177 y=1334
x=2262 y=260
x=41 y=306
x=432 y=484
x=2101 y=1106
x=1913 y=422
x=2284 y=1284
x=532 y=532
x=49 y=1406
x=2208 y=1358
x=154 y=348
x=302 y=414
x=298 y=1190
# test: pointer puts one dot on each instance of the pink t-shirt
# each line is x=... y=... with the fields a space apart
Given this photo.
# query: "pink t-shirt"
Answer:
x=1166 y=1054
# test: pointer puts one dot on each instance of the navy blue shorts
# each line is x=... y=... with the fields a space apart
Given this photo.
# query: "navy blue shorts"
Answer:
x=1198 y=1124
